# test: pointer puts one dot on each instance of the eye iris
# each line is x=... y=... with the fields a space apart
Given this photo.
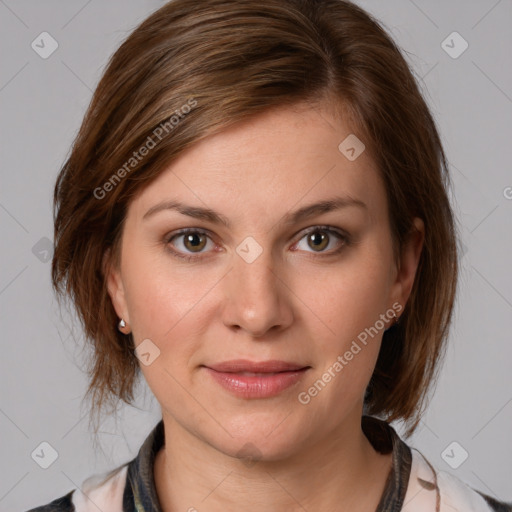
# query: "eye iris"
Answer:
x=197 y=240
x=318 y=238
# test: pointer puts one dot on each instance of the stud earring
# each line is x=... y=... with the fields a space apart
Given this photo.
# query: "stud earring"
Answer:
x=121 y=325
x=397 y=319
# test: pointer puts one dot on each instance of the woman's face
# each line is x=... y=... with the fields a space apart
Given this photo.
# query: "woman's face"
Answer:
x=265 y=278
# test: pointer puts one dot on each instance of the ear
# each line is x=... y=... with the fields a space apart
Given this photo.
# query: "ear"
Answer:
x=408 y=264
x=112 y=276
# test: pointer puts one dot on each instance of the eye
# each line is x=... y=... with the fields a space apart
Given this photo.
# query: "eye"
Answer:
x=191 y=241
x=319 y=238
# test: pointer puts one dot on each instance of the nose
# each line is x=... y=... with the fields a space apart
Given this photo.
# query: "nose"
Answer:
x=257 y=299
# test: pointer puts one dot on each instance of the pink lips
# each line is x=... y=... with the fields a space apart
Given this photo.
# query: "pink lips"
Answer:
x=264 y=379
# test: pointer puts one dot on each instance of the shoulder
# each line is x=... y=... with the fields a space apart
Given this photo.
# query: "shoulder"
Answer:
x=118 y=489
x=99 y=492
x=430 y=490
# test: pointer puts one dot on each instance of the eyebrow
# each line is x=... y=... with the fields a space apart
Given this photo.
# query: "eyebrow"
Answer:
x=197 y=212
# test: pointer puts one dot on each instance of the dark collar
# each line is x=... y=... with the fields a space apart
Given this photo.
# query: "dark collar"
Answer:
x=385 y=440
x=140 y=491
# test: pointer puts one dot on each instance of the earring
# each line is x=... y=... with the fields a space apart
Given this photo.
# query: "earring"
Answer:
x=121 y=325
x=397 y=319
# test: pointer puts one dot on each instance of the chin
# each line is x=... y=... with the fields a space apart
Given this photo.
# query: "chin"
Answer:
x=267 y=439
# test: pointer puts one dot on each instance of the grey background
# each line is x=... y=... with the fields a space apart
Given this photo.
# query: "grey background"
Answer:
x=42 y=102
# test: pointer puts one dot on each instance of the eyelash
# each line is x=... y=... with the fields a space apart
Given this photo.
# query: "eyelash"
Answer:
x=345 y=241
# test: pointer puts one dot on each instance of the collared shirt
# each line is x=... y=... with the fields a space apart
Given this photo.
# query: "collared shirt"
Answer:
x=413 y=484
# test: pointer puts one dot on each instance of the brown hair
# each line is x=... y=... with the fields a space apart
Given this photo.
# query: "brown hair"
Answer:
x=195 y=67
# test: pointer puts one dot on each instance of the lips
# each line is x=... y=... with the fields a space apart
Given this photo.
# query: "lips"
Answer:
x=243 y=365
x=246 y=379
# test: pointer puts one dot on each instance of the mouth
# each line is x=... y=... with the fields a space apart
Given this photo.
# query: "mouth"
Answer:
x=261 y=367
x=265 y=379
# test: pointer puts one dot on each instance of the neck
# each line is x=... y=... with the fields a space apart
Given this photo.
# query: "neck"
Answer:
x=341 y=472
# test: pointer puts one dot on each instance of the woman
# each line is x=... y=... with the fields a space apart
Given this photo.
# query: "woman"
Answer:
x=255 y=217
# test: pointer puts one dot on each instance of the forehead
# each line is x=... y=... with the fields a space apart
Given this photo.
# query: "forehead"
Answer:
x=274 y=161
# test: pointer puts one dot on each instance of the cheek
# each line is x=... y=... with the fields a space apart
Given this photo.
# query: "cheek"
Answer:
x=346 y=298
x=346 y=353
x=171 y=305
x=158 y=294
x=346 y=303
x=164 y=307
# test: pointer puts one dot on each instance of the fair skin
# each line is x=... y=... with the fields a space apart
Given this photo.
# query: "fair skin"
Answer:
x=295 y=302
